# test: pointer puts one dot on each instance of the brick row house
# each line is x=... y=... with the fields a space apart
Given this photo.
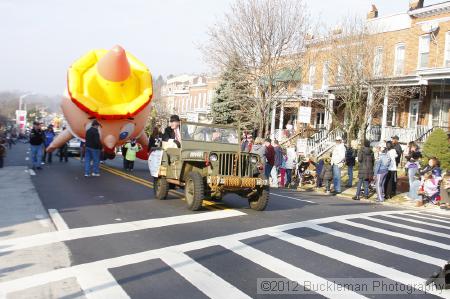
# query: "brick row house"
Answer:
x=414 y=54
x=189 y=96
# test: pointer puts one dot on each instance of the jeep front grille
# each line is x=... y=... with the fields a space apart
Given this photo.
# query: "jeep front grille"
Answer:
x=231 y=165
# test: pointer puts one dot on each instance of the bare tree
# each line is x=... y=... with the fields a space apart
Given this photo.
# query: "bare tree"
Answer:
x=356 y=57
x=266 y=37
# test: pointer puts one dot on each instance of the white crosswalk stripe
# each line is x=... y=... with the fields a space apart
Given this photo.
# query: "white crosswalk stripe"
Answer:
x=418 y=221
x=409 y=227
x=97 y=282
x=398 y=235
x=433 y=216
x=438 y=219
x=382 y=246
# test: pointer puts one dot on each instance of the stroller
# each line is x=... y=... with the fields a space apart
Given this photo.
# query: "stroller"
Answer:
x=305 y=173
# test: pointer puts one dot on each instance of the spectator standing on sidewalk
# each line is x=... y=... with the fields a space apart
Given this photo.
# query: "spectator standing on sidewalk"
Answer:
x=290 y=165
x=412 y=170
x=381 y=169
x=93 y=150
x=283 y=168
x=390 y=185
x=365 y=174
x=37 y=139
x=49 y=136
x=278 y=160
x=399 y=151
x=337 y=162
x=132 y=148
x=350 y=161
x=269 y=154
x=326 y=174
x=2 y=151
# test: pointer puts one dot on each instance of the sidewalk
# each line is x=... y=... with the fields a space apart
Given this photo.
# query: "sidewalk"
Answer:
x=22 y=214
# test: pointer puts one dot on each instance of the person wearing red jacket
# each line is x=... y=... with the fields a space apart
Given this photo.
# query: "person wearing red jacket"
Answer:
x=269 y=155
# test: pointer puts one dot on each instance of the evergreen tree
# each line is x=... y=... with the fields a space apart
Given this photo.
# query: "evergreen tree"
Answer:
x=437 y=145
x=230 y=104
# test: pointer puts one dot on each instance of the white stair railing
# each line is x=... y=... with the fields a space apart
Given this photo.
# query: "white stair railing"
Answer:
x=320 y=147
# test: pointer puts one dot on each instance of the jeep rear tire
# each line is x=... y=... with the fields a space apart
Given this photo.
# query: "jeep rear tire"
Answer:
x=259 y=201
x=194 y=191
x=161 y=188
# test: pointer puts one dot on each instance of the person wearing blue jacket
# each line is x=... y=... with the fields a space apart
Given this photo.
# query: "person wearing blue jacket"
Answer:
x=49 y=136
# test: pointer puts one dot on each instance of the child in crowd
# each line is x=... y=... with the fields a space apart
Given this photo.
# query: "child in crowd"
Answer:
x=326 y=174
x=412 y=169
x=319 y=167
x=431 y=176
x=132 y=148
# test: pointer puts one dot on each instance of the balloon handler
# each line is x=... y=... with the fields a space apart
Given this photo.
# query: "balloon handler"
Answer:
x=114 y=88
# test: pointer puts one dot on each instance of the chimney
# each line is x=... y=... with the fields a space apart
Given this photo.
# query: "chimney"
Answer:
x=373 y=13
x=415 y=4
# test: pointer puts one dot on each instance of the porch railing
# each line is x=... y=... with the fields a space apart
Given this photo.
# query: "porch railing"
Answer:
x=405 y=135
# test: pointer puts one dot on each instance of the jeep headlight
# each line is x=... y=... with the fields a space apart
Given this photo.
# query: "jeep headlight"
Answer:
x=213 y=157
x=254 y=159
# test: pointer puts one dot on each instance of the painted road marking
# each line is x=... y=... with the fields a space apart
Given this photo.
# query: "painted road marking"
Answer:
x=100 y=284
x=394 y=234
x=201 y=277
x=382 y=246
x=43 y=221
x=59 y=222
x=289 y=271
x=355 y=261
x=409 y=227
x=415 y=216
x=113 y=228
x=433 y=216
x=31 y=172
x=78 y=270
x=304 y=200
x=210 y=205
x=418 y=221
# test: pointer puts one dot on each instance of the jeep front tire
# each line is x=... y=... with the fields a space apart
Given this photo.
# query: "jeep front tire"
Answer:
x=194 y=191
x=259 y=201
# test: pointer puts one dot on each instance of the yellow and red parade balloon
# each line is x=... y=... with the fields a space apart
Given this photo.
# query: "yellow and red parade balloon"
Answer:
x=113 y=87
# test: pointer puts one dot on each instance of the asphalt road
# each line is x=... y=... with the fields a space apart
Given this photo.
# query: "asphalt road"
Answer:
x=125 y=243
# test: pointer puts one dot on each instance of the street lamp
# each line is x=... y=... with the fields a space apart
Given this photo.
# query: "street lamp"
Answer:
x=22 y=97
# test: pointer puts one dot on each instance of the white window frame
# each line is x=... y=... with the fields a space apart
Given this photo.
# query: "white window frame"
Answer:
x=420 y=51
x=378 y=62
x=447 y=49
x=396 y=66
x=326 y=75
x=417 y=115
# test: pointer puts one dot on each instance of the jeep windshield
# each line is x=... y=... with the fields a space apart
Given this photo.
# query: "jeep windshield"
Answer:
x=195 y=132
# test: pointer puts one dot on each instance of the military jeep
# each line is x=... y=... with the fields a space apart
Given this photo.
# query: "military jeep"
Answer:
x=209 y=164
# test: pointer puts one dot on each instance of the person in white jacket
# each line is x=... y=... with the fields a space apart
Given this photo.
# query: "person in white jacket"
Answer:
x=337 y=162
x=391 y=177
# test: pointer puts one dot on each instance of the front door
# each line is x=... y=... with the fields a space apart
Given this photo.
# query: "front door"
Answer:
x=413 y=114
x=439 y=112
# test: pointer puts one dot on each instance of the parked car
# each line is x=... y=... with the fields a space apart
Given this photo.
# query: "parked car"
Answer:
x=73 y=147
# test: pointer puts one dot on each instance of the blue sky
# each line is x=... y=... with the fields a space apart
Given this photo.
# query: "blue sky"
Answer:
x=40 y=39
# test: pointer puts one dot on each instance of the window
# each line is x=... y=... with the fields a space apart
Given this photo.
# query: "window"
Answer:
x=413 y=114
x=424 y=51
x=399 y=65
x=378 y=62
x=312 y=74
x=447 y=50
x=325 y=74
x=340 y=74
